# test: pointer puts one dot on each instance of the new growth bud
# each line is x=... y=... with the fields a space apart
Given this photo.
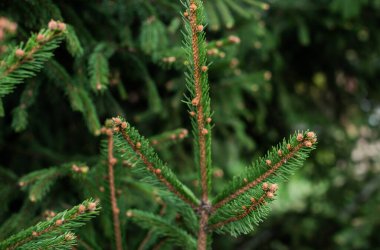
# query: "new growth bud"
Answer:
x=19 y=53
x=300 y=137
x=91 y=206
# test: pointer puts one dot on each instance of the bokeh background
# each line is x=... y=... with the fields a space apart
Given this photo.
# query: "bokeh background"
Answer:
x=299 y=65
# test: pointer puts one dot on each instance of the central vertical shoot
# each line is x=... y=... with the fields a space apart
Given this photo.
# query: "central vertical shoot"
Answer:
x=199 y=105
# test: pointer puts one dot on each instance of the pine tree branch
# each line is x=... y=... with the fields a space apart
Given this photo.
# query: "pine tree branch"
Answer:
x=240 y=216
x=198 y=86
x=158 y=173
x=26 y=60
x=260 y=179
x=111 y=179
x=58 y=225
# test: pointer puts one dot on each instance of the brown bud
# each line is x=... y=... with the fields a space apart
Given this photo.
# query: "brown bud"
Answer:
x=138 y=145
x=288 y=146
x=116 y=129
x=124 y=125
x=157 y=171
x=265 y=186
x=98 y=86
x=299 y=137
x=113 y=160
x=234 y=39
x=186 y=14
x=34 y=234
x=279 y=152
x=40 y=37
x=75 y=168
x=204 y=68
x=53 y=25
x=253 y=200
x=270 y=195
x=273 y=187
x=204 y=131
x=61 y=26
x=195 y=101
x=208 y=120
x=244 y=207
x=116 y=120
x=192 y=113
x=81 y=209
x=308 y=144
x=129 y=213
x=58 y=222
x=245 y=180
x=219 y=44
x=200 y=28
x=19 y=53
x=268 y=162
x=193 y=7
x=91 y=206
x=310 y=134
x=173 y=136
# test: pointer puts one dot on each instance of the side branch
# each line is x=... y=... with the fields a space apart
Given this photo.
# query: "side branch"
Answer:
x=152 y=169
x=29 y=55
x=111 y=180
x=255 y=204
x=260 y=179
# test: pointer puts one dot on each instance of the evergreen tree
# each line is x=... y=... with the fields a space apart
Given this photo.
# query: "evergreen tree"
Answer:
x=125 y=59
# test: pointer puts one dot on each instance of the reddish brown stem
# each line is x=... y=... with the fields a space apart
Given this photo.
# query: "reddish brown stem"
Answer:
x=111 y=181
x=204 y=208
x=152 y=169
x=257 y=181
x=246 y=212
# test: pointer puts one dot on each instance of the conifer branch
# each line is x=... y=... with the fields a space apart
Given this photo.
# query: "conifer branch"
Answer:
x=200 y=107
x=246 y=212
x=58 y=225
x=304 y=142
x=26 y=60
x=111 y=179
x=198 y=100
x=161 y=174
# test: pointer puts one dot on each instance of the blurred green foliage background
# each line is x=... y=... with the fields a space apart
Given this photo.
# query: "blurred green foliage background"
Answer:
x=299 y=65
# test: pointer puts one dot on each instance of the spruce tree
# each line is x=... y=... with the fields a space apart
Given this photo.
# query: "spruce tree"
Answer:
x=192 y=216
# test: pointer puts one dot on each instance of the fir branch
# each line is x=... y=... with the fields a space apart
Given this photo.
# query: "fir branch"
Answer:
x=155 y=168
x=163 y=228
x=246 y=212
x=292 y=152
x=23 y=62
x=115 y=210
x=58 y=225
x=200 y=85
x=39 y=182
x=169 y=137
x=197 y=83
x=259 y=179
